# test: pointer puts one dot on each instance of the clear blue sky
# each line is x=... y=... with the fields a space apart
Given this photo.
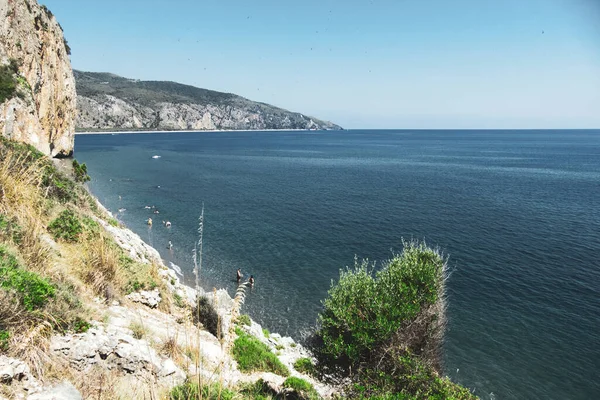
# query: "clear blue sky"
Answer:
x=378 y=64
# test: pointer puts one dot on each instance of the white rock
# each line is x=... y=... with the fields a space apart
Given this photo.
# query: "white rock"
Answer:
x=7 y=372
x=149 y=298
x=62 y=391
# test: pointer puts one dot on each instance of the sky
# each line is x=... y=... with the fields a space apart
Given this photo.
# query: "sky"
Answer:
x=429 y=64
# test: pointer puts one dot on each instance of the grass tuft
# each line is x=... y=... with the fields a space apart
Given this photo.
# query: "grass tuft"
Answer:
x=253 y=355
x=305 y=365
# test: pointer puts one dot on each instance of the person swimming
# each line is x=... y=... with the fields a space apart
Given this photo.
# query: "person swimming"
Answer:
x=170 y=245
x=239 y=275
x=251 y=280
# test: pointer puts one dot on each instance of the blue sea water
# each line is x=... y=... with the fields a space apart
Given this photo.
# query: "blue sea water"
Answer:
x=516 y=211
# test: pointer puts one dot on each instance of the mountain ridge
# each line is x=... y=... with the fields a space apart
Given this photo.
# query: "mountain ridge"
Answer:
x=107 y=101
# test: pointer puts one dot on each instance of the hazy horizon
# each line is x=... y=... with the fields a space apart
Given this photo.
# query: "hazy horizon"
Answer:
x=376 y=64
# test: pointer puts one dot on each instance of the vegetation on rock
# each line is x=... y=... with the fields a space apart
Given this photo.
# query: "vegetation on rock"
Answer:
x=80 y=171
x=204 y=312
x=8 y=80
x=66 y=226
x=385 y=329
x=253 y=355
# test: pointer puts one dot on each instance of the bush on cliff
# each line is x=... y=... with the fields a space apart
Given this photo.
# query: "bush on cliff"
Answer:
x=204 y=312
x=33 y=291
x=373 y=324
x=80 y=171
x=8 y=81
x=66 y=226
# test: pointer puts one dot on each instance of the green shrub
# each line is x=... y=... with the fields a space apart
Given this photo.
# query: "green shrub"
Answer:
x=33 y=290
x=113 y=222
x=80 y=325
x=204 y=312
x=258 y=390
x=363 y=310
x=253 y=355
x=303 y=389
x=4 y=338
x=190 y=391
x=10 y=229
x=411 y=379
x=66 y=226
x=80 y=171
x=305 y=366
x=266 y=332
x=244 y=319
x=8 y=83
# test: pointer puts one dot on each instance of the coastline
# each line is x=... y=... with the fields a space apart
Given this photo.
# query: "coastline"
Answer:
x=117 y=132
x=287 y=349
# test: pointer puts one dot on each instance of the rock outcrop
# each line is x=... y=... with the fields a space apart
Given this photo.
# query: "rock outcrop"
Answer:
x=44 y=109
x=110 y=102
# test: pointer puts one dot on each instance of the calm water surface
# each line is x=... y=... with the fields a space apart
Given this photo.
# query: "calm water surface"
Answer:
x=516 y=211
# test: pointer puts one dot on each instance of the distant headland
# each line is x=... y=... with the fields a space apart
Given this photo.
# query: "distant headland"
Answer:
x=108 y=102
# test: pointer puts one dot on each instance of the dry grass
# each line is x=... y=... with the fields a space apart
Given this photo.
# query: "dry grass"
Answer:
x=99 y=265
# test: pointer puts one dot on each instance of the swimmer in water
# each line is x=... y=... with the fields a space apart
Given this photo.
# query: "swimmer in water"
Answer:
x=251 y=280
x=239 y=275
x=170 y=246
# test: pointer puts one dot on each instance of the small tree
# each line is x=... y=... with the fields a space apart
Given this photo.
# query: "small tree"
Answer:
x=80 y=171
x=402 y=304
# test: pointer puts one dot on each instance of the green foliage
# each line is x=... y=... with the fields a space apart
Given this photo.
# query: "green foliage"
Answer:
x=47 y=11
x=204 y=312
x=266 y=332
x=80 y=325
x=67 y=47
x=253 y=355
x=191 y=391
x=8 y=83
x=303 y=389
x=58 y=185
x=411 y=380
x=305 y=366
x=244 y=319
x=4 y=338
x=363 y=310
x=113 y=222
x=10 y=229
x=178 y=300
x=80 y=171
x=258 y=390
x=33 y=289
x=66 y=226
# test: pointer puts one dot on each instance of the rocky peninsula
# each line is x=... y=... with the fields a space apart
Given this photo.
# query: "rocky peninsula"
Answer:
x=110 y=102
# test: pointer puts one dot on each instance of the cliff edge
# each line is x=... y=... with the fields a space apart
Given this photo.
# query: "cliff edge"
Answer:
x=42 y=108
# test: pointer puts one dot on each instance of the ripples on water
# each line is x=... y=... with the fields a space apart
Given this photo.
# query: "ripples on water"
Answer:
x=516 y=211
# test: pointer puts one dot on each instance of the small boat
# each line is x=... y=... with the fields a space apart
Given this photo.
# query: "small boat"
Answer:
x=149 y=221
x=155 y=156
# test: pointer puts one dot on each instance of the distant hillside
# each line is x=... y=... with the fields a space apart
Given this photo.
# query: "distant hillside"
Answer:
x=110 y=102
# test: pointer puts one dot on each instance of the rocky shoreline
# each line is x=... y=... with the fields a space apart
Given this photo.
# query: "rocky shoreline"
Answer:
x=128 y=344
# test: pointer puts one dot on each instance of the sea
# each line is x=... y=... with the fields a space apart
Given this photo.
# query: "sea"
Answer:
x=517 y=213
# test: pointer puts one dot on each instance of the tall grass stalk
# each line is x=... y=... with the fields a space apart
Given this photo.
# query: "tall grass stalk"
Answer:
x=197 y=257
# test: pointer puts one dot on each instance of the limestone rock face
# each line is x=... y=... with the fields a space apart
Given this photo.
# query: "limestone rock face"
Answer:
x=110 y=102
x=44 y=113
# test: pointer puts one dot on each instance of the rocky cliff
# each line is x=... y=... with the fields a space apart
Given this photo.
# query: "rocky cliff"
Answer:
x=42 y=109
x=110 y=102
